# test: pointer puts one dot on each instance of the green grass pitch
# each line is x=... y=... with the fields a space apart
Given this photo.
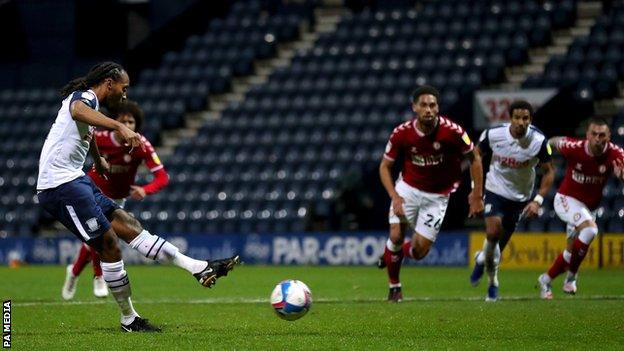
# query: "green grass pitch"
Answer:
x=441 y=311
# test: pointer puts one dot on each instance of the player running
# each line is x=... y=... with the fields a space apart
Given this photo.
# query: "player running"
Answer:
x=117 y=183
x=590 y=162
x=73 y=199
x=433 y=148
x=516 y=149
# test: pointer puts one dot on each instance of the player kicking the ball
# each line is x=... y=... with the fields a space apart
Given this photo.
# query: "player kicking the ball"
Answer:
x=117 y=183
x=433 y=148
x=516 y=149
x=589 y=163
x=73 y=199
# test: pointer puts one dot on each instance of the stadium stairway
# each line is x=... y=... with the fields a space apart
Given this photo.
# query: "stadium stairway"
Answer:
x=585 y=58
x=587 y=12
x=326 y=19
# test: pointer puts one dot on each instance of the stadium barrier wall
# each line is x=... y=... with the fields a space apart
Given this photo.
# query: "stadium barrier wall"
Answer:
x=539 y=250
x=454 y=249
x=451 y=249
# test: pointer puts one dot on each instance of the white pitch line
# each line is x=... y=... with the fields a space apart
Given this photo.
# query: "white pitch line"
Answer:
x=209 y=301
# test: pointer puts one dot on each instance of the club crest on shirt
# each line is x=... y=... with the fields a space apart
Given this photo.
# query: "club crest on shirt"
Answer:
x=127 y=158
x=602 y=168
x=92 y=223
x=436 y=145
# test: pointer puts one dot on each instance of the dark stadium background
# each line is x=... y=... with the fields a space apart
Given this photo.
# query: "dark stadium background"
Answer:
x=272 y=116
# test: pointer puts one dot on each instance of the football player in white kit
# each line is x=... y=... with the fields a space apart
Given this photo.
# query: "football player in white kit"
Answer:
x=516 y=149
x=72 y=198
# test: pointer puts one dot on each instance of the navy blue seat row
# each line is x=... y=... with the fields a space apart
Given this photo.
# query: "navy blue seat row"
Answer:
x=29 y=96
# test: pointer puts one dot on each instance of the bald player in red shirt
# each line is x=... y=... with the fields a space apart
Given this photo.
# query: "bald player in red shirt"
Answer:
x=118 y=183
x=590 y=162
x=432 y=148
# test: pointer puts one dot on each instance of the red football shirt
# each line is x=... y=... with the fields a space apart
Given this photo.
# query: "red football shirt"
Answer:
x=124 y=165
x=431 y=163
x=586 y=175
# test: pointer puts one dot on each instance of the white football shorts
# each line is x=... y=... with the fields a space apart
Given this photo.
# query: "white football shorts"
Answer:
x=572 y=212
x=423 y=211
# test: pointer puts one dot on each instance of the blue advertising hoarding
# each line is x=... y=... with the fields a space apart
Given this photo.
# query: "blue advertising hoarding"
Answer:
x=451 y=249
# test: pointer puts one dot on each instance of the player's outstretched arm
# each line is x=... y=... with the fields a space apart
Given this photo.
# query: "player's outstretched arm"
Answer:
x=385 y=174
x=83 y=113
x=475 y=198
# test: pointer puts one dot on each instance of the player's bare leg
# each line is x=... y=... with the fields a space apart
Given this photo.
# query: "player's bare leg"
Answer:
x=117 y=280
x=418 y=248
x=504 y=238
x=392 y=259
x=156 y=248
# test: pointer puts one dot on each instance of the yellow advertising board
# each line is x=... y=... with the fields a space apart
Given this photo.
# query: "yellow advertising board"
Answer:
x=536 y=250
x=613 y=250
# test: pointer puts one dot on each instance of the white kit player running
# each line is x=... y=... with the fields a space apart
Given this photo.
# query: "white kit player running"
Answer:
x=590 y=162
x=516 y=148
x=73 y=199
x=433 y=149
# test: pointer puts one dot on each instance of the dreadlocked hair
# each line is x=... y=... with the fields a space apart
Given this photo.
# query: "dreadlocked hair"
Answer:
x=97 y=74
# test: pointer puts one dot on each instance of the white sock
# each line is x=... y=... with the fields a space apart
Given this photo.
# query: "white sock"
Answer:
x=567 y=256
x=570 y=277
x=492 y=258
x=587 y=235
x=481 y=257
x=190 y=264
x=154 y=247
x=119 y=285
x=393 y=247
x=545 y=278
x=157 y=248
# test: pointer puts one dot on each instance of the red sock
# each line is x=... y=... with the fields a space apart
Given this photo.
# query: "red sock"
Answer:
x=407 y=249
x=393 y=263
x=84 y=256
x=558 y=267
x=95 y=259
x=579 y=251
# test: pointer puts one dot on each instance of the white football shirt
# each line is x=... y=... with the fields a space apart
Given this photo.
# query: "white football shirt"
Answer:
x=512 y=168
x=67 y=144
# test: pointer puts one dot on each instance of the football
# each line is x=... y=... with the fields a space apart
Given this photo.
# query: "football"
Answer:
x=291 y=299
